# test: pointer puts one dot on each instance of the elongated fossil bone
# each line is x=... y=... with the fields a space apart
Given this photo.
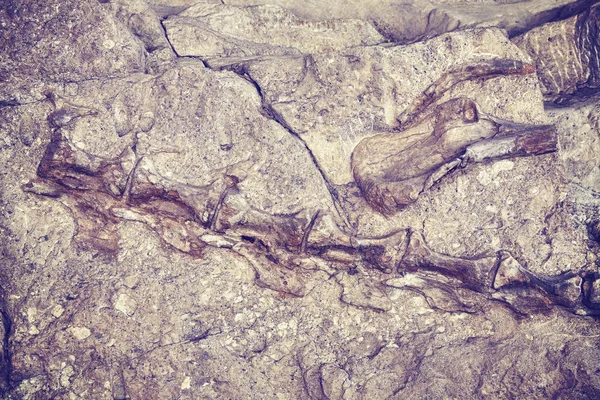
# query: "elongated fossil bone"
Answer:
x=502 y=277
x=392 y=169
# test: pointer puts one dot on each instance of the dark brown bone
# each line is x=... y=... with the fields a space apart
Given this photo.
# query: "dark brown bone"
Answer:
x=280 y=250
x=485 y=69
x=98 y=212
x=477 y=273
x=501 y=277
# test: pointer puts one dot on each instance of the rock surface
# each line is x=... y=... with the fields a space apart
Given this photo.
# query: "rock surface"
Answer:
x=216 y=31
x=248 y=201
x=410 y=20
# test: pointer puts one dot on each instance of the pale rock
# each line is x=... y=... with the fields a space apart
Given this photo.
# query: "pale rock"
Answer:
x=125 y=304
x=57 y=310
x=80 y=333
x=213 y=31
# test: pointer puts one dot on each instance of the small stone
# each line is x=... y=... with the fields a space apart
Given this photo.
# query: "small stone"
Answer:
x=31 y=314
x=57 y=310
x=108 y=44
x=65 y=376
x=186 y=384
x=131 y=281
x=80 y=333
x=125 y=304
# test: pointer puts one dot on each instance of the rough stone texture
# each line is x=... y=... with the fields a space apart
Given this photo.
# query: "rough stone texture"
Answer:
x=410 y=20
x=334 y=100
x=213 y=31
x=59 y=44
x=566 y=54
x=241 y=203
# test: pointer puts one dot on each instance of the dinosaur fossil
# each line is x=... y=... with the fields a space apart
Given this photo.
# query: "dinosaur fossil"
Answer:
x=392 y=169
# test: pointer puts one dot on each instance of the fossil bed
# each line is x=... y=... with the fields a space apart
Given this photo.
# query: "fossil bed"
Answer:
x=287 y=199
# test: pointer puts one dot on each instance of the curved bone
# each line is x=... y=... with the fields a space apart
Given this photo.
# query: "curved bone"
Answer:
x=392 y=169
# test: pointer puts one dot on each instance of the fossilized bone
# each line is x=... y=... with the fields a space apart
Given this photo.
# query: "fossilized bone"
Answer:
x=484 y=69
x=393 y=168
x=500 y=276
x=281 y=260
x=566 y=54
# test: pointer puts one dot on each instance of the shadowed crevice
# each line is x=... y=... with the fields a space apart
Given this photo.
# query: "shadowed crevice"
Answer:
x=269 y=112
x=5 y=354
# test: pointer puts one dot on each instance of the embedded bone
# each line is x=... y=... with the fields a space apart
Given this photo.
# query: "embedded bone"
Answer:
x=393 y=169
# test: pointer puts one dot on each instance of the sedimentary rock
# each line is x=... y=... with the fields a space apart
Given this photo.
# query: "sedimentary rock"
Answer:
x=183 y=219
x=221 y=34
x=58 y=44
x=412 y=20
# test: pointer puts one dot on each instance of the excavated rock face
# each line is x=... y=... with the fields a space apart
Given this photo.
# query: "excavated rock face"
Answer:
x=256 y=201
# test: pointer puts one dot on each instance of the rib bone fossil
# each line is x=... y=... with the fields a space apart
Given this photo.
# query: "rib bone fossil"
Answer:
x=392 y=169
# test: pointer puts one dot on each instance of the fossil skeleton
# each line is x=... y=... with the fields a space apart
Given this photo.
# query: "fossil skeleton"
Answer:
x=390 y=168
